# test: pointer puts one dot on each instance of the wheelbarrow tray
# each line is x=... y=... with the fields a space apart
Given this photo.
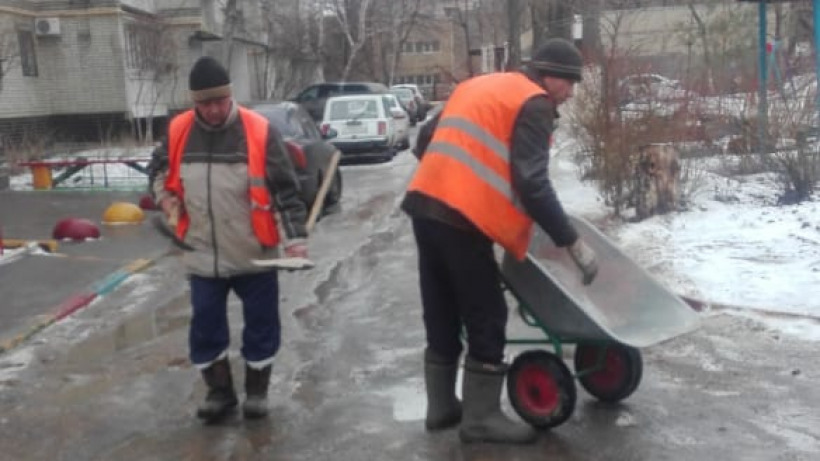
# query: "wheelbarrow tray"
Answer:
x=624 y=303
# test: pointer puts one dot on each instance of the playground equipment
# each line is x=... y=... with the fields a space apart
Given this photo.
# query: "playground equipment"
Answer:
x=77 y=229
x=123 y=213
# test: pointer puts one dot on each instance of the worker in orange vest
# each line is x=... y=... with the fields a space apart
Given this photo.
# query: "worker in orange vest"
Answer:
x=224 y=176
x=483 y=179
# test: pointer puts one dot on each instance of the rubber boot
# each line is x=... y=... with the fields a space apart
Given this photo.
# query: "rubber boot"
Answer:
x=443 y=408
x=221 y=398
x=483 y=419
x=256 y=390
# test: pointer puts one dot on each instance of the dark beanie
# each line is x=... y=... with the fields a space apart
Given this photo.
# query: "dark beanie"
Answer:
x=558 y=58
x=208 y=80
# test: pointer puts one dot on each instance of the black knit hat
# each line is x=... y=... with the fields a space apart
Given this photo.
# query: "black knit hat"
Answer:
x=558 y=58
x=208 y=80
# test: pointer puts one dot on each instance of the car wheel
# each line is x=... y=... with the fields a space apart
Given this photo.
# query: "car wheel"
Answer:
x=310 y=186
x=334 y=194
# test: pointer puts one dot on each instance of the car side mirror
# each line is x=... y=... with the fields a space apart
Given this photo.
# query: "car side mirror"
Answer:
x=398 y=113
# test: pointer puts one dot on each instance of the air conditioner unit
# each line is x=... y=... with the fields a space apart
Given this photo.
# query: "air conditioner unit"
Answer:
x=47 y=26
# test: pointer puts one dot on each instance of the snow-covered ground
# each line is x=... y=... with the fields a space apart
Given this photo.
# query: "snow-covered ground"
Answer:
x=734 y=246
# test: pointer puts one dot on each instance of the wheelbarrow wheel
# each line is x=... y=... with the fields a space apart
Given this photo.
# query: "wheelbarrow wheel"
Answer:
x=541 y=389
x=610 y=372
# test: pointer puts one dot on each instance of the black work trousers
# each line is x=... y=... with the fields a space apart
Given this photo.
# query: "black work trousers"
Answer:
x=460 y=285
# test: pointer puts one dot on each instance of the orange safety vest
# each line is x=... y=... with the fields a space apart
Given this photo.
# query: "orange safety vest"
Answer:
x=467 y=163
x=256 y=135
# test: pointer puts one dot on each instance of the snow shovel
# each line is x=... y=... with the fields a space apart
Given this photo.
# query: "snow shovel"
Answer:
x=299 y=263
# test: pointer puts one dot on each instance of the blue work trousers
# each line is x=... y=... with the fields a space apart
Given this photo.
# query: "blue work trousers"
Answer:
x=209 y=334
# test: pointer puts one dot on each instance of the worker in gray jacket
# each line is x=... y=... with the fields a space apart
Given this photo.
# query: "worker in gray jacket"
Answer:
x=225 y=181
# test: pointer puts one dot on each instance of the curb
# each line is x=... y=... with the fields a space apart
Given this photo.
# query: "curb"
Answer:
x=79 y=300
x=703 y=307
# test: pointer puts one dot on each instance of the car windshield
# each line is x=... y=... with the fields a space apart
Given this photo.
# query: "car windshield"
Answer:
x=353 y=108
x=403 y=95
x=278 y=117
x=402 y=92
x=354 y=89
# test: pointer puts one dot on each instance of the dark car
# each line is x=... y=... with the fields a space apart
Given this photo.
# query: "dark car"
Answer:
x=314 y=97
x=308 y=149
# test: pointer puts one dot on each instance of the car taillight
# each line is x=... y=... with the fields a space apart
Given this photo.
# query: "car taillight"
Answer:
x=382 y=128
x=297 y=155
x=325 y=129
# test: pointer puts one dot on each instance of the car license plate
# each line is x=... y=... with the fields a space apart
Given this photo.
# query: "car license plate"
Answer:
x=355 y=128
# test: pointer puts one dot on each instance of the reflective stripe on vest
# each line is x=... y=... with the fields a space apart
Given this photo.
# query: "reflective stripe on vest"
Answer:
x=256 y=136
x=467 y=163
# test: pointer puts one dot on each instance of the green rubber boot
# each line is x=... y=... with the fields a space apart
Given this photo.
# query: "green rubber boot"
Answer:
x=443 y=407
x=483 y=419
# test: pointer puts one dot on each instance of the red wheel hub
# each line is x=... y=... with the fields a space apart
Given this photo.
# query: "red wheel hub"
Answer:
x=537 y=390
x=611 y=374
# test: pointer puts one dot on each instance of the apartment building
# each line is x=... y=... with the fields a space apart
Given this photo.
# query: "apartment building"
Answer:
x=446 y=46
x=81 y=70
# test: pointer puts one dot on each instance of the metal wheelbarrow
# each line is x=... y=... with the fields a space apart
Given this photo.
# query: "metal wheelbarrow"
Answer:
x=623 y=309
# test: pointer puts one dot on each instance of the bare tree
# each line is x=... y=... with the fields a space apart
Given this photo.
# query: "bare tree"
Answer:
x=352 y=17
x=152 y=63
x=460 y=15
x=514 y=10
x=704 y=39
x=550 y=18
x=233 y=18
x=610 y=139
x=295 y=55
x=398 y=19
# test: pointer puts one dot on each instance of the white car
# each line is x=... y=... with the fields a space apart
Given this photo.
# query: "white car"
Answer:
x=400 y=122
x=362 y=125
x=651 y=87
x=421 y=102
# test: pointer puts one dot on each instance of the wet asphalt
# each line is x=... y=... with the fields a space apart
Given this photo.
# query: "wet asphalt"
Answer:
x=113 y=380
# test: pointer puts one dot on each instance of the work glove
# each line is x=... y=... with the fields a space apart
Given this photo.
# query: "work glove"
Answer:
x=583 y=257
x=171 y=207
x=296 y=248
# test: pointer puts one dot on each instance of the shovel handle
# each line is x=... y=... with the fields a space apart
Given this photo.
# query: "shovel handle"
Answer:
x=319 y=201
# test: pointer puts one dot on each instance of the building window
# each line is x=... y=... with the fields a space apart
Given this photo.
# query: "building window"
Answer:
x=28 y=54
x=421 y=47
x=420 y=80
x=142 y=46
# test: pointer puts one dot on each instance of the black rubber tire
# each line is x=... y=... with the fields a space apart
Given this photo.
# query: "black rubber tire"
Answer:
x=541 y=389
x=617 y=375
x=334 y=193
